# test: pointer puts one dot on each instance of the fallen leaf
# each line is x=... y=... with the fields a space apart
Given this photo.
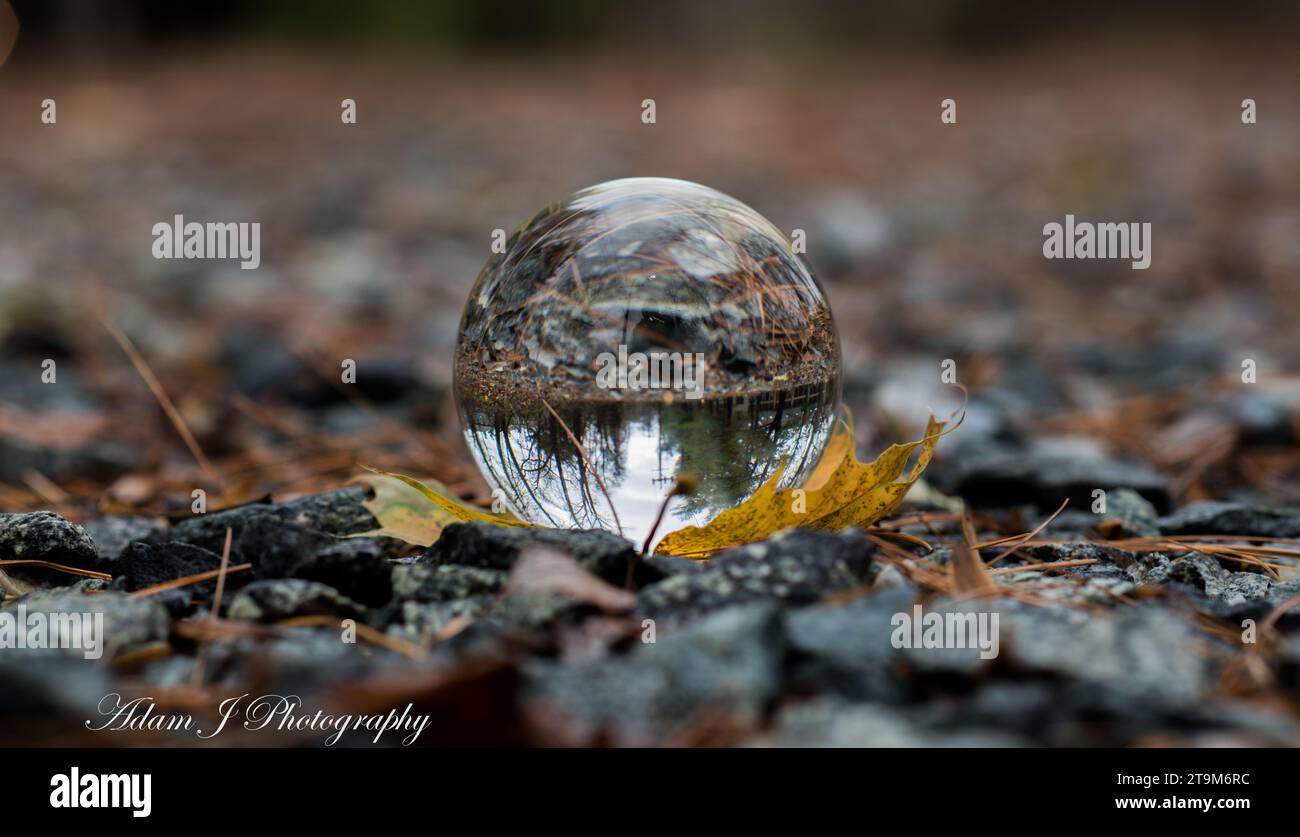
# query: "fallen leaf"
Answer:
x=542 y=570
x=417 y=512
x=841 y=492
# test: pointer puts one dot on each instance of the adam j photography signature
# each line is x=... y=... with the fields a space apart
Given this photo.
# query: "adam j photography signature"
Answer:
x=270 y=713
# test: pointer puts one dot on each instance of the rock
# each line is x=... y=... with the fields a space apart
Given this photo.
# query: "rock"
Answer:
x=846 y=650
x=273 y=599
x=727 y=664
x=298 y=660
x=113 y=534
x=336 y=513
x=143 y=565
x=356 y=567
x=1205 y=575
x=1134 y=515
x=1140 y=658
x=667 y=565
x=536 y=612
x=485 y=545
x=416 y=621
x=449 y=582
x=833 y=723
x=1045 y=474
x=45 y=536
x=127 y=622
x=798 y=567
x=1265 y=418
x=1213 y=517
x=42 y=692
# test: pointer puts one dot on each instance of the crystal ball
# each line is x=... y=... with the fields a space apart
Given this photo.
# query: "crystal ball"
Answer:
x=638 y=331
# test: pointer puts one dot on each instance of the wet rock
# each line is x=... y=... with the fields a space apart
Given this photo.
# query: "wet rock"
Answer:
x=798 y=567
x=336 y=513
x=112 y=535
x=485 y=545
x=1213 y=517
x=449 y=582
x=1045 y=474
x=45 y=536
x=273 y=599
x=728 y=663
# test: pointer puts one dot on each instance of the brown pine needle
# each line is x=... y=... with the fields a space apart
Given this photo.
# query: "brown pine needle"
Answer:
x=369 y=634
x=221 y=573
x=36 y=562
x=1030 y=536
x=186 y=581
x=164 y=401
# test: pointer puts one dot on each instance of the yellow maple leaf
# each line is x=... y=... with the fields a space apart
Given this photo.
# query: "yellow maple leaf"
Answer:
x=417 y=512
x=840 y=492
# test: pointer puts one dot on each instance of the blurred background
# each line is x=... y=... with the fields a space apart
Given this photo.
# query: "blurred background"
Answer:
x=824 y=116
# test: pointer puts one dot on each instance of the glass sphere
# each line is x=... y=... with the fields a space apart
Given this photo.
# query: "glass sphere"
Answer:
x=638 y=331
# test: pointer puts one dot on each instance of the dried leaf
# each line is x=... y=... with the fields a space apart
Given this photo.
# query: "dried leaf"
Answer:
x=416 y=512
x=841 y=491
x=541 y=570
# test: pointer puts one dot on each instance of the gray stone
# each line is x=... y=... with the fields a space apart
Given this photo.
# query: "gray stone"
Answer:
x=1213 y=517
x=729 y=662
x=1135 y=513
x=832 y=723
x=335 y=513
x=45 y=536
x=846 y=649
x=1205 y=575
x=800 y=566
x=416 y=621
x=1045 y=474
x=274 y=599
x=485 y=545
x=424 y=583
x=127 y=622
x=113 y=534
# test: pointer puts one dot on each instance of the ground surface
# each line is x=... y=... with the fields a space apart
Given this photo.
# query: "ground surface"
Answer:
x=1082 y=376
